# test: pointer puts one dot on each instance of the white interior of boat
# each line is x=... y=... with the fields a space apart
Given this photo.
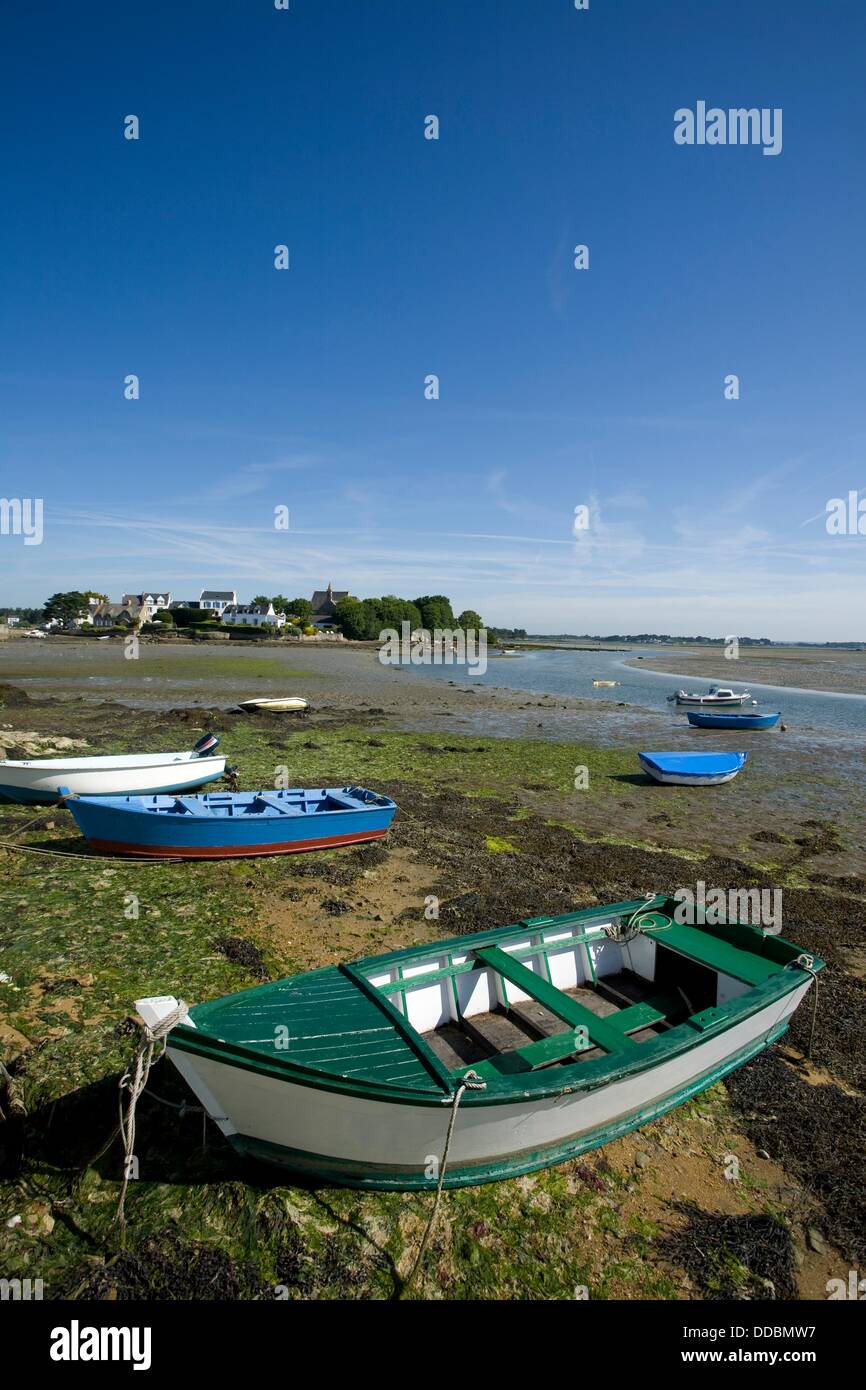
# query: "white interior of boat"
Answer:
x=112 y=763
x=557 y=995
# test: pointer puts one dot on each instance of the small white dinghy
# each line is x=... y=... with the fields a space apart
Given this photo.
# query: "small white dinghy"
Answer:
x=128 y=774
x=282 y=704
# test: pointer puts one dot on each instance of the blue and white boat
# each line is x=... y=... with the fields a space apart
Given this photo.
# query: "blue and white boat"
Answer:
x=702 y=720
x=717 y=695
x=692 y=769
x=226 y=825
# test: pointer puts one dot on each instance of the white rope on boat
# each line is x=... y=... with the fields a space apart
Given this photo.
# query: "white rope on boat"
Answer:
x=624 y=932
x=134 y=1080
x=471 y=1081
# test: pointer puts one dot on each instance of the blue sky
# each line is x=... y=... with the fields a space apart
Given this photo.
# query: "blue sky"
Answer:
x=305 y=387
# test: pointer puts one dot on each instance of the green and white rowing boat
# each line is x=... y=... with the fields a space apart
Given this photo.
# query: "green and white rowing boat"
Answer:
x=538 y=1041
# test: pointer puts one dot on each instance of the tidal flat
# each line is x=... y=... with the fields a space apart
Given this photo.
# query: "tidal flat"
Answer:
x=492 y=825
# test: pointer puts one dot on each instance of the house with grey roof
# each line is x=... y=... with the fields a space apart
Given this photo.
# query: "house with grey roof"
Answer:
x=217 y=600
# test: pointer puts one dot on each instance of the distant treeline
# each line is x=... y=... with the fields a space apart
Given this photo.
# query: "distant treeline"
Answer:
x=365 y=618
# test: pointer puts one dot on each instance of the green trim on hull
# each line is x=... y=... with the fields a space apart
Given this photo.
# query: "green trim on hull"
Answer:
x=345 y=1173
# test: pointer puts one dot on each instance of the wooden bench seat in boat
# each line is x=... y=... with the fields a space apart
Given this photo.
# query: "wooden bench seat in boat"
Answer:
x=275 y=804
x=557 y=1047
x=600 y=1031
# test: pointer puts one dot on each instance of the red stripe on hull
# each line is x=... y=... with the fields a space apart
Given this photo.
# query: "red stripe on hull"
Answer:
x=230 y=851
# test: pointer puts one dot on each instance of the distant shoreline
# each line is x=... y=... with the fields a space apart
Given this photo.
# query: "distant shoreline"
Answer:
x=842 y=674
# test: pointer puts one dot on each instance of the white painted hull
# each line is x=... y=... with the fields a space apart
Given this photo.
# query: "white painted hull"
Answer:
x=125 y=775
x=715 y=702
x=364 y=1136
x=680 y=779
x=283 y=706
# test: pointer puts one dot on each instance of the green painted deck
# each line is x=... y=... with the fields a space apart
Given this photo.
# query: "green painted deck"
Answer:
x=324 y=1022
x=718 y=954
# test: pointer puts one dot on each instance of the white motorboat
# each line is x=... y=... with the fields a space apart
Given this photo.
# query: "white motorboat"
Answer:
x=126 y=774
x=717 y=695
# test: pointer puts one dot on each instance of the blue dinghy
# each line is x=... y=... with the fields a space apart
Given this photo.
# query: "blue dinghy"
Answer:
x=225 y=825
x=703 y=720
x=692 y=769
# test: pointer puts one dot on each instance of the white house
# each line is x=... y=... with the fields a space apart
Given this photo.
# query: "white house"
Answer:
x=253 y=615
x=218 y=600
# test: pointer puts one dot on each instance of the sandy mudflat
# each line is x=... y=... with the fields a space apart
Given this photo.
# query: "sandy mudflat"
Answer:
x=806 y=668
x=337 y=680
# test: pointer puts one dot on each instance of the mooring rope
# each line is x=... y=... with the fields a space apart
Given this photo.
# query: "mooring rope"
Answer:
x=70 y=853
x=807 y=963
x=471 y=1081
x=91 y=858
x=134 y=1080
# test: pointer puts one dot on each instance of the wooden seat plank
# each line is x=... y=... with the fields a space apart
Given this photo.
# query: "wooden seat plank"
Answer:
x=599 y=1030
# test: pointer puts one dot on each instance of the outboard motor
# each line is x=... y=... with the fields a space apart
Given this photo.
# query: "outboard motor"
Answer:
x=206 y=744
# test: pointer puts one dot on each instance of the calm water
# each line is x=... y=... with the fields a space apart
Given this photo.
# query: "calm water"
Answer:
x=572 y=673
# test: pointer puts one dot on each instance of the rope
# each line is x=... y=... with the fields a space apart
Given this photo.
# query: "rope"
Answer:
x=626 y=931
x=92 y=858
x=471 y=1082
x=73 y=854
x=134 y=1080
x=807 y=963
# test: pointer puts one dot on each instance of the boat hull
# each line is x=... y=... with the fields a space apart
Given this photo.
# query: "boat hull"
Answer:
x=724 y=702
x=291 y=705
x=231 y=851
x=359 y=1142
x=134 y=826
x=701 y=719
x=718 y=768
x=37 y=781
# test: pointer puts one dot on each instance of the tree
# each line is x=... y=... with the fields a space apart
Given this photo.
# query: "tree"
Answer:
x=162 y=615
x=435 y=610
x=66 y=606
x=261 y=599
x=193 y=617
x=393 y=611
x=281 y=604
x=358 y=620
x=298 y=607
x=470 y=619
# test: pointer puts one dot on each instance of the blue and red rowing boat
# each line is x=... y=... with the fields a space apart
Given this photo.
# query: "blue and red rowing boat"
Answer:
x=226 y=825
